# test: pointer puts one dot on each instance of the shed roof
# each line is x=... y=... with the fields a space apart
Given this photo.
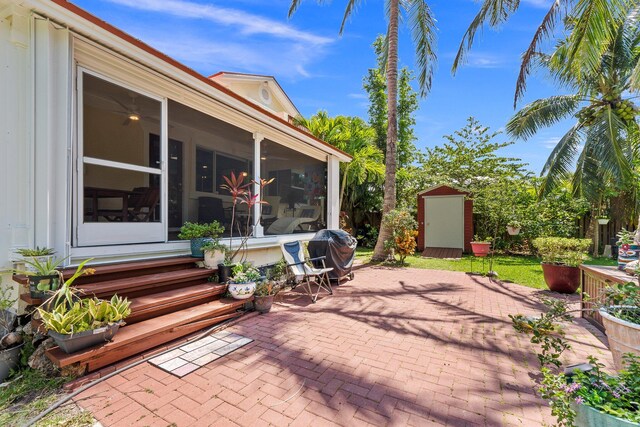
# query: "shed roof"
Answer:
x=451 y=189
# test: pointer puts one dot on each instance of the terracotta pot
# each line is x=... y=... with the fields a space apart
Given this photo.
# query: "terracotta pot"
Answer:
x=561 y=278
x=263 y=304
x=481 y=249
x=624 y=337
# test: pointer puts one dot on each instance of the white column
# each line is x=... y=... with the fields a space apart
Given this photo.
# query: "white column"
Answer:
x=333 y=193
x=52 y=74
x=257 y=139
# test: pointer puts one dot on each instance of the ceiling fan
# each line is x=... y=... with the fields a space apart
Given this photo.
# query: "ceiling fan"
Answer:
x=132 y=111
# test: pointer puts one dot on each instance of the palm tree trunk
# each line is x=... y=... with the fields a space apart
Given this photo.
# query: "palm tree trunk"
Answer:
x=389 y=203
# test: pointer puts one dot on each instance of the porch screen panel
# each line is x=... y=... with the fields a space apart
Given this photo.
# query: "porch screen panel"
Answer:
x=211 y=149
x=298 y=195
x=121 y=165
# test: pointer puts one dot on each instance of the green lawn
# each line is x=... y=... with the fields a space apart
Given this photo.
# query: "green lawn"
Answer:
x=524 y=270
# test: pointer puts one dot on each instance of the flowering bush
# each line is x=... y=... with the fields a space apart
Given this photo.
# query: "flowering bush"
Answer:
x=614 y=395
x=403 y=233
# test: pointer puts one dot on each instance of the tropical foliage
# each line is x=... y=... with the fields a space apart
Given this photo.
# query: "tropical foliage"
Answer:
x=404 y=230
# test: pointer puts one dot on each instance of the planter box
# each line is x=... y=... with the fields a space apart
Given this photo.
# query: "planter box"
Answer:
x=196 y=246
x=9 y=360
x=263 y=304
x=76 y=342
x=41 y=286
x=561 y=278
x=586 y=416
x=242 y=290
x=624 y=337
x=513 y=231
x=213 y=258
x=481 y=249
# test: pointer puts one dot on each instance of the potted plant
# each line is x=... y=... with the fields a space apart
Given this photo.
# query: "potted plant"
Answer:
x=628 y=249
x=44 y=276
x=267 y=290
x=214 y=253
x=242 y=284
x=11 y=342
x=561 y=257
x=199 y=235
x=513 y=227
x=602 y=219
x=620 y=311
x=225 y=268
x=75 y=323
x=481 y=247
x=30 y=256
x=581 y=395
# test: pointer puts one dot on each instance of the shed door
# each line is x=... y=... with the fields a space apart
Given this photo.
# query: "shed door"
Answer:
x=444 y=222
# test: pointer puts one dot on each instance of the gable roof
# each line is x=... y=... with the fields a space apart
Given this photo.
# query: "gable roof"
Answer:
x=277 y=90
x=94 y=21
x=451 y=189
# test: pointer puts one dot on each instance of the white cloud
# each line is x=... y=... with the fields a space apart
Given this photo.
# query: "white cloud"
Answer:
x=358 y=96
x=484 y=60
x=246 y=23
x=549 y=142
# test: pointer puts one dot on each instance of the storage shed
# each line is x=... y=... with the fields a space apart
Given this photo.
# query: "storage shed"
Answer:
x=445 y=218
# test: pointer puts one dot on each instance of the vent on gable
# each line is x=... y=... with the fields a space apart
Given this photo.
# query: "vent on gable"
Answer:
x=264 y=94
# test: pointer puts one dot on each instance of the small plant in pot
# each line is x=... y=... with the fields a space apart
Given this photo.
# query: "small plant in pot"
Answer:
x=75 y=323
x=199 y=235
x=214 y=253
x=44 y=277
x=11 y=342
x=30 y=256
x=628 y=248
x=561 y=257
x=513 y=227
x=267 y=290
x=481 y=247
x=602 y=219
x=242 y=284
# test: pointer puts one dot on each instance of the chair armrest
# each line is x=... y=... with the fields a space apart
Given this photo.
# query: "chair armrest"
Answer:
x=317 y=258
x=296 y=263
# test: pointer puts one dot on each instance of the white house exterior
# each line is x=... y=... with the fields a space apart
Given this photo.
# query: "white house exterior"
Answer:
x=92 y=120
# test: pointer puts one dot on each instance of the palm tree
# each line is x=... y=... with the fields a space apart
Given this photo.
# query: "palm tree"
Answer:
x=353 y=136
x=422 y=24
x=603 y=142
x=589 y=33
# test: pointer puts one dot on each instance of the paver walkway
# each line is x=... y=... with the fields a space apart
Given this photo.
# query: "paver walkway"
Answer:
x=392 y=347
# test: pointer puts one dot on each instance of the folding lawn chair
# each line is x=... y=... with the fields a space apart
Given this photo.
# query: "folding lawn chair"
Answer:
x=304 y=271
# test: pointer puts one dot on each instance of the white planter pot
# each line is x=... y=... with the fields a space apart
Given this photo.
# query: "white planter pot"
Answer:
x=513 y=230
x=213 y=258
x=603 y=221
x=624 y=337
x=242 y=290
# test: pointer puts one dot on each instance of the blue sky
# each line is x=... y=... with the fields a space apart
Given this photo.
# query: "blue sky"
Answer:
x=321 y=70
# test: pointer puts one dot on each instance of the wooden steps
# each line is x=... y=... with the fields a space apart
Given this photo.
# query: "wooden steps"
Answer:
x=136 y=338
x=170 y=298
x=157 y=304
x=140 y=285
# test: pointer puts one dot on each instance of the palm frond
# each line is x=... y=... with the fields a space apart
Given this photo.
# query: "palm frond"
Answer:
x=593 y=31
x=542 y=113
x=609 y=146
x=543 y=32
x=560 y=162
x=493 y=12
x=352 y=5
x=423 y=31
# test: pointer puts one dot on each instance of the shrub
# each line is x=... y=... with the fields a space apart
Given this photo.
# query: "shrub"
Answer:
x=194 y=230
x=404 y=230
x=562 y=250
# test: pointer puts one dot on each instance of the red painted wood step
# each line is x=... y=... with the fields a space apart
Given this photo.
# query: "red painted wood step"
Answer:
x=160 y=303
x=142 y=336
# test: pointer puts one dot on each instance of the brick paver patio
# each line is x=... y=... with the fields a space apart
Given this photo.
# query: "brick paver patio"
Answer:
x=392 y=347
